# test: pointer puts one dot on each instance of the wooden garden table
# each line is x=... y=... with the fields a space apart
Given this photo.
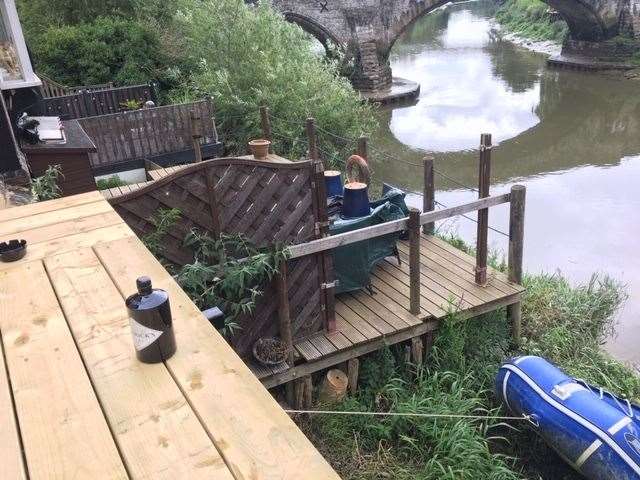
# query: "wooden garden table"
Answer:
x=74 y=401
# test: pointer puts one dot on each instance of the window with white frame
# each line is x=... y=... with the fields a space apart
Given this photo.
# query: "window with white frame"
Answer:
x=15 y=66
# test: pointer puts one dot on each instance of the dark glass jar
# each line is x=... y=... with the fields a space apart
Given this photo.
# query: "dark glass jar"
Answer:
x=151 y=323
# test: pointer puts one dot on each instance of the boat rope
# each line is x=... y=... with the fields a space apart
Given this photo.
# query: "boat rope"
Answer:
x=527 y=418
x=600 y=392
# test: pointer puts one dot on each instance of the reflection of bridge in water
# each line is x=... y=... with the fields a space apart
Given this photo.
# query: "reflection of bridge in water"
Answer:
x=578 y=126
x=366 y=30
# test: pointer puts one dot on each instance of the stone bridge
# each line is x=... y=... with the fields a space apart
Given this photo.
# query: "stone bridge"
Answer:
x=367 y=29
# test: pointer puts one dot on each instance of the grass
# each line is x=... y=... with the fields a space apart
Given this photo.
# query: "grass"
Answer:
x=564 y=323
x=110 y=182
x=530 y=19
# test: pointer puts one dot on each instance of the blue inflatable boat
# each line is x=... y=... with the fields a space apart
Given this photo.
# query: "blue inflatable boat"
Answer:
x=594 y=431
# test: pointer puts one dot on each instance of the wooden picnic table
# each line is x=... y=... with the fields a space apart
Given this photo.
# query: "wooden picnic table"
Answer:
x=75 y=402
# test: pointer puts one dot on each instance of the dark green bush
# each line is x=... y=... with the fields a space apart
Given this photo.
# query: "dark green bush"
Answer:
x=103 y=50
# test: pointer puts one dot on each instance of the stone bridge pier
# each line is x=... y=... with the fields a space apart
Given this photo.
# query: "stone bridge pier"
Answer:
x=365 y=30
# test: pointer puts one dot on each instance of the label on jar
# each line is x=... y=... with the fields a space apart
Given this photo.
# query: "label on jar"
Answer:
x=143 y=336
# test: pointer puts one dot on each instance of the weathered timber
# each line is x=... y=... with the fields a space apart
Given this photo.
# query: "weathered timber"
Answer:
x=312 y=137
x=265 y=123
x=516 y=248
x=348 y=238
x=284 y=317
x=417 y=351
x=414 y=260
x=196 y=134
x=363 y=147
x=353 y=370
x=428 y=194
x=484 y=183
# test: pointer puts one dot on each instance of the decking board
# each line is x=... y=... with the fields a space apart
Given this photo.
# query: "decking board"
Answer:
x=366 y=322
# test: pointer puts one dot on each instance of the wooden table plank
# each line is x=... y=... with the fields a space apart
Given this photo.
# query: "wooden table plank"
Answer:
x=69 y=243
x=49 y=206
x=255 y=436
x=158 y=434
x=10 y=443
x=40 y=220
x=64 y=432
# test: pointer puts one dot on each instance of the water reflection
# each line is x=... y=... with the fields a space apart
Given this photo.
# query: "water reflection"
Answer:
x=572 y=138
x=468 y=84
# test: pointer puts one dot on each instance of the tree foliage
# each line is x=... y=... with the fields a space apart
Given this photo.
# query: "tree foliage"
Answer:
x=82 y=42
x=249 y=56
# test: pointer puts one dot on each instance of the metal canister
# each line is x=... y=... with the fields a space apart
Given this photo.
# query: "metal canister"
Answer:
x=151 y=323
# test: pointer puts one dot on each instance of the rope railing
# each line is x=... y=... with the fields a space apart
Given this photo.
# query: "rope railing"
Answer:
x=417 y=221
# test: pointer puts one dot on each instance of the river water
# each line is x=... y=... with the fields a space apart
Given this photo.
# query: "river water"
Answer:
x=572 y=138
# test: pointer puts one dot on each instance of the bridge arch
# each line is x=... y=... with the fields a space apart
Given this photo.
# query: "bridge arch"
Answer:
x=586 y=19
x=408 y=18
x=314 y=28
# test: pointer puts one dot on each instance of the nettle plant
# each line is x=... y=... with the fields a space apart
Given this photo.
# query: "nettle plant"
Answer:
x=228 y=272
x=45 y=187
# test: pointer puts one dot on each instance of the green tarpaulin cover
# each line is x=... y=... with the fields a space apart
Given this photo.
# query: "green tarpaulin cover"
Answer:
x=353 y=263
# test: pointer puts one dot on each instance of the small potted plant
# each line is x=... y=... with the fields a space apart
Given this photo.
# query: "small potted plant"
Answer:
x=260 y=148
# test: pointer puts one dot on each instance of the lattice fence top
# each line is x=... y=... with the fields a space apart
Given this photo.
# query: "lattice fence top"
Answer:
x=267 y=202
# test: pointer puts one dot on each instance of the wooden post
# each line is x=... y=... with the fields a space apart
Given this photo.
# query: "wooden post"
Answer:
x=484 y=184
x=284 y=318
x=417 y=351
x=516 y=248
x=414 y=260
x=196 y=134
x=266 y=124
x=308 y=391
x=363 y=147
x=353 y=370
x=313 y=140
x=428 y=194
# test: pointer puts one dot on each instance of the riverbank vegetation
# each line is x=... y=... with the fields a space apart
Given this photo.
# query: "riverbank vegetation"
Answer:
x=566 y=324
x=532 y=19
x=243 y=56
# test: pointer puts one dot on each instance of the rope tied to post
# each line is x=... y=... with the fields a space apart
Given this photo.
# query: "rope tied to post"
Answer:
x=527 y=418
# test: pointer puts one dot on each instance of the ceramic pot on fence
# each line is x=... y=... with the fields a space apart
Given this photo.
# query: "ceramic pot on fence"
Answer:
x=356 y=200
x=333 y=181
x=260 y=148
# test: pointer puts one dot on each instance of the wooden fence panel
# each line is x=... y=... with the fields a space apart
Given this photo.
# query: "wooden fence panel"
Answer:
x=135 y=135
x=266 y=202
x=93 y=102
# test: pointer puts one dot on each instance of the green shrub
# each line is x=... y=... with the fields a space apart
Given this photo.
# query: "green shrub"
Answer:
x=46 y=186
x=249 y=56
x=529 y=18
x=102 y=50
x=111 y=182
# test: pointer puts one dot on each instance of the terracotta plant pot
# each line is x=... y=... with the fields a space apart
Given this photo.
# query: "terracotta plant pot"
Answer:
x=260 y=148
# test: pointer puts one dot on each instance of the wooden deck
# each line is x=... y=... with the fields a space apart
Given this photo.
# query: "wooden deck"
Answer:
x=366 y=322
x=75 y=402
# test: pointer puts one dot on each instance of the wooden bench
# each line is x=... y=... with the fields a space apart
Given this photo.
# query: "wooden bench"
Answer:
x=125 y=140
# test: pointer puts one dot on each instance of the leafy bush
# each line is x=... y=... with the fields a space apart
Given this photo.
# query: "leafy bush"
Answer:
x=530 y=19
x=46 y=186
x=102 y=50
x=249 y=56
x=229 y=273
x=111 y=182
